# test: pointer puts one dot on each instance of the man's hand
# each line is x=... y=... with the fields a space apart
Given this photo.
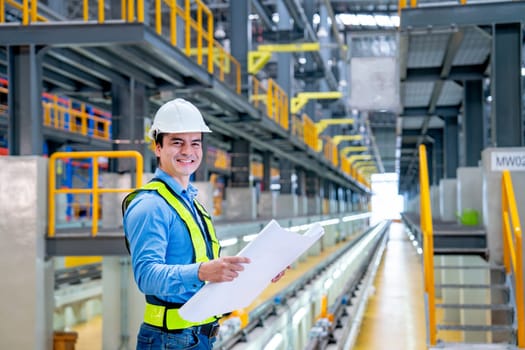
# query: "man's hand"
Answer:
x=223 y=269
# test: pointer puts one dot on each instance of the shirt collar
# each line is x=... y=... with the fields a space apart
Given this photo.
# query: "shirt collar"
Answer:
x=191 y=191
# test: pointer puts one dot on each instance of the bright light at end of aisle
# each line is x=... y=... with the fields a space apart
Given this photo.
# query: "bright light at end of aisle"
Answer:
x=387 y=204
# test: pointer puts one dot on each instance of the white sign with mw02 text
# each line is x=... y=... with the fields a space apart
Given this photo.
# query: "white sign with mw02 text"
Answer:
x=513 y=161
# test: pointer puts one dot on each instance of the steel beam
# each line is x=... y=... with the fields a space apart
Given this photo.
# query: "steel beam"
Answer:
x=456 y=73
x=457 y=15
x=442 y=111
x=66 y=34
x=264 y=16
x=84 y=78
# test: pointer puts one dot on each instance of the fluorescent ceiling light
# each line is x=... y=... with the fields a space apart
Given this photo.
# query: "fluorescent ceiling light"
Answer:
x=366 y=20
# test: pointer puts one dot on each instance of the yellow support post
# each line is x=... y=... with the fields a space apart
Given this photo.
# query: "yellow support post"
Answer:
x=101 y=17
x=324 y=123
x=345 y=152
x=353 y=158
x=428 y=244
x=294 y=47
x=302 y=98
x=257 y=60
x=359 y=164
x=340 y=138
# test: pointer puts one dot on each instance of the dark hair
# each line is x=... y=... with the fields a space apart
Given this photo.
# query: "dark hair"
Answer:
x=158 y=137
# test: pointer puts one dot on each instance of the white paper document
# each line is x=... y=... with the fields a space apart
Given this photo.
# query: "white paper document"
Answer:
x=272 y=251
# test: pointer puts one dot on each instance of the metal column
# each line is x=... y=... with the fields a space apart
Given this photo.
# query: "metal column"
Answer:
x=267 y=171
x=285 y=176
x=507 y=121
x=24 y=73
x=240 y=164
x=129 y=105
x=241 y=37
x=473 y=125
x=311 y=82
x=450 y=147
x=285 y=68
x=313 y=194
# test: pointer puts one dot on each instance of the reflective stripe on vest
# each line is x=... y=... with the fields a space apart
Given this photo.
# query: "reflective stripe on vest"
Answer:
x=154 y=315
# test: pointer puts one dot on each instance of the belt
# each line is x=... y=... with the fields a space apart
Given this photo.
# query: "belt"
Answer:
x=209 y=330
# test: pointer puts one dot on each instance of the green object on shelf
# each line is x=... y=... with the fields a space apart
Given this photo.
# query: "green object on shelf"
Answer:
x=469 y=217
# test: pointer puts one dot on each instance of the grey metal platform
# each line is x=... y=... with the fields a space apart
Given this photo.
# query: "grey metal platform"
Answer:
x=451 y=237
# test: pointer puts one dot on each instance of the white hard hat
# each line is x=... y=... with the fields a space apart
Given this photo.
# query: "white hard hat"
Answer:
x=177 y=116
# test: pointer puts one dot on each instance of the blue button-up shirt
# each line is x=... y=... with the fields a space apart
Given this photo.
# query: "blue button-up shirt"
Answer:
x=161 y=249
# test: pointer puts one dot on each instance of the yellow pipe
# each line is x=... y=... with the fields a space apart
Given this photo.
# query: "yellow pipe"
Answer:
x=289 y=47
x=158 y=17
x=34 y=10
x=140 y=11
x=324 y=306
x=173 y=24
x=95 y=199
x=2 y=11
x=509 y=203
x=101 y=14
x=123 y=7
x=238 y=82
x=188 y=27
x=199 y=35
x=426 y=227
x=25 y=12
x=210 y=43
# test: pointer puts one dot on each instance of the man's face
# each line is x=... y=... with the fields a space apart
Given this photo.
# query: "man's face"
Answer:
x=180 y=155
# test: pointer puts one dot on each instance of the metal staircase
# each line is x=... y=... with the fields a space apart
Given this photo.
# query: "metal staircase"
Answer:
x=470 y=302
x=476 y=305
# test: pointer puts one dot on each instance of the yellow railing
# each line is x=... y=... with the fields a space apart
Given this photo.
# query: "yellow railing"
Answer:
x=95 y=191
x=197 y=41
x=428 y=243
x=401 y=4
x=195 y=38
x=512 y=249
x=3 y=95
x=311 y=136
x=271 y=100
x=68 y=115
x=62 y=115
x=330 y=150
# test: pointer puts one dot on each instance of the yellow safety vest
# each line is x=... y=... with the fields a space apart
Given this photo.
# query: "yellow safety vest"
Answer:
x=161 y=315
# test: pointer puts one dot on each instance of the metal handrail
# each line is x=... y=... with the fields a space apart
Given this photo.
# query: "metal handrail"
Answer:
x=428 y=244
x=512 y=248
x=56 y=115
x=95 y=190
x=401 y=4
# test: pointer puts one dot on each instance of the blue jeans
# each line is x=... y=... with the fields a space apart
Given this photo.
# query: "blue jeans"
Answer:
x=152 y=338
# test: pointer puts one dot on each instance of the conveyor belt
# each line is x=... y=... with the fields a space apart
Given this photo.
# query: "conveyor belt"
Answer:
x=290 y=311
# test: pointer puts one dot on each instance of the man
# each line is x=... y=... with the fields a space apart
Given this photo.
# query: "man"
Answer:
x=173 y=246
